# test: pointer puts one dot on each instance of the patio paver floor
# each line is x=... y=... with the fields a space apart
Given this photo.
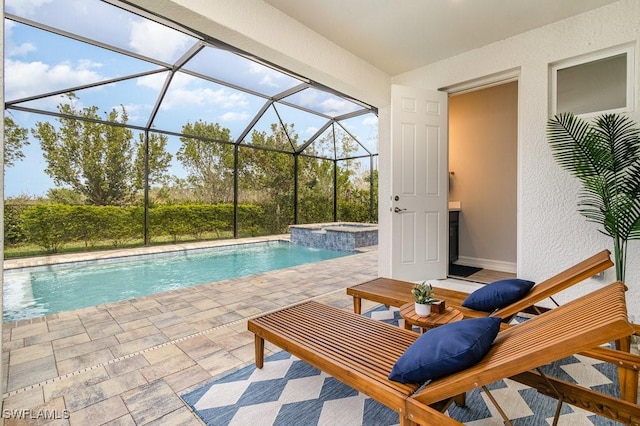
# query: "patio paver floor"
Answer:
x=127 y=362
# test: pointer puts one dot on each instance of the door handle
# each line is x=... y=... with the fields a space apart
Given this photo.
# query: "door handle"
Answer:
x=398 y=210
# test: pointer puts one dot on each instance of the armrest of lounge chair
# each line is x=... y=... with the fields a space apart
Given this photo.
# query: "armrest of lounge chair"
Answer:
x=584 y=323
x=392 y=292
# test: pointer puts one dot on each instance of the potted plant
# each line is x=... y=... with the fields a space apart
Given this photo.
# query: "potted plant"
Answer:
x=423 y=295
x=605 y=157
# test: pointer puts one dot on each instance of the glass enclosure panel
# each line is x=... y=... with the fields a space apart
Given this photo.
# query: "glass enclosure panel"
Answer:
x=266 y=192
x=315 y=190
x=321 y=102
x=190 y=99
x=83 y=186
x=345 y=145
x=100 y=21
x=75 y=175
x=128 y=98
x=190 y=187
x=24 y=175
x=364 y=129
x=301 y=124
x=268 y=132
x=354 y=191
x=237 y=70
x=323 y=146
x=39 y=62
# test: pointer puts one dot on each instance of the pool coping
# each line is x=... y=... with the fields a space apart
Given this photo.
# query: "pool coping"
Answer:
x=54 y=259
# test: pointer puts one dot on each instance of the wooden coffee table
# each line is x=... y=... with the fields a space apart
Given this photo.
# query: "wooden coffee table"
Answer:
x=434 y=320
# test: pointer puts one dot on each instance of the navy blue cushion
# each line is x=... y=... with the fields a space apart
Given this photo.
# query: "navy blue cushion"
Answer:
x=498 y=294
x=445 y=350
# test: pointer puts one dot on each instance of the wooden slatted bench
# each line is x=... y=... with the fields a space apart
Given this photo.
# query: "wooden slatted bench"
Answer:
x=392 y=292
x=361 y=352
x=352 y=348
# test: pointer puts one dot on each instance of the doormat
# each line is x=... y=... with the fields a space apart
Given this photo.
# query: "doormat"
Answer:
x=288 y=391
x=462 y=270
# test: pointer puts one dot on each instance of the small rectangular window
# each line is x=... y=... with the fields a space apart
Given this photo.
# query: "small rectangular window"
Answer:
x=593 y=84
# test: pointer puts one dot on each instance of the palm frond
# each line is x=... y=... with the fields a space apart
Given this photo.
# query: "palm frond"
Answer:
x=621 y=136
x=605 y=157
x=570 y=139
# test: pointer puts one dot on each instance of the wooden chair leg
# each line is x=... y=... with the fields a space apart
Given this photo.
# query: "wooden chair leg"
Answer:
x=259 y=342
x=357 y=304
x=628 y=378
x=461 y=399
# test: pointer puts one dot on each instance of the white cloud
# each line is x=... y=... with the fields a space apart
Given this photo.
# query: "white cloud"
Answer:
x=335 y=106
x=270 y=77
x=157 y=41
x=202 y=97
x=136 y=112
x=153 y=81
x=307 y=98
x=186 y=91
x=25 y=7
x=235 y=116
x=311 y=130
x=371 y=120
x=13 y=49
x=24 y=79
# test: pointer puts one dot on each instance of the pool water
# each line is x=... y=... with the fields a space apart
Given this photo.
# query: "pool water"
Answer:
x=43 y=290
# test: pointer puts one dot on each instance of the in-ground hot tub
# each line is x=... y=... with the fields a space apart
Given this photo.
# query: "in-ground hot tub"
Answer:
x=342 y=236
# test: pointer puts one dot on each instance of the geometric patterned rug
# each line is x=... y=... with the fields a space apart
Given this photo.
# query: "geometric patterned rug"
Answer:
x=288 y=391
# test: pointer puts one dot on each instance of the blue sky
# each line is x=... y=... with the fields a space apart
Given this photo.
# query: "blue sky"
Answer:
x=39 y=62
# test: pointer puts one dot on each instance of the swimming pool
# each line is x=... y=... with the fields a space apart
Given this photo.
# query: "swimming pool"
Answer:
x=43 y=290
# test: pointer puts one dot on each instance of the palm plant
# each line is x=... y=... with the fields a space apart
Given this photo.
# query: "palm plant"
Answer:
x=605 y=157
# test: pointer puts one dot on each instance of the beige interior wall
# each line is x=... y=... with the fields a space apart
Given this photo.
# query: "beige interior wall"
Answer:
x=483 y=161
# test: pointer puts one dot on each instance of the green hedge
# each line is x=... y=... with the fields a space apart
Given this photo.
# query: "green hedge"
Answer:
x=52 y=225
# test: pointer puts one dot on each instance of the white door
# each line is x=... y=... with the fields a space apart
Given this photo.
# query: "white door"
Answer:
x=419 y=182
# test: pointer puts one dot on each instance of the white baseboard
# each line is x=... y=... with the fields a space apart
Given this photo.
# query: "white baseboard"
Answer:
x=494 y=265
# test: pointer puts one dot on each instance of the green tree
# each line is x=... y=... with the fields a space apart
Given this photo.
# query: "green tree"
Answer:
x=159 y=161
x=65 y=196
x=15 y=138
x=95 y=158
x=91 y=157
x=209 y=163
x=268 y=175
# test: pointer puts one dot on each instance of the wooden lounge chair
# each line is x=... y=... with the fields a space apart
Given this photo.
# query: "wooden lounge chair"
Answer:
x=361 y=352
x=396 y=293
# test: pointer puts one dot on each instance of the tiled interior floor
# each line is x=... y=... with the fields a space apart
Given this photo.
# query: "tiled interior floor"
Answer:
x=127 y=362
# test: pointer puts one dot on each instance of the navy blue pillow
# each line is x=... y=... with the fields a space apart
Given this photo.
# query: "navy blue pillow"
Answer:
x=445 y=350
x=498 y=294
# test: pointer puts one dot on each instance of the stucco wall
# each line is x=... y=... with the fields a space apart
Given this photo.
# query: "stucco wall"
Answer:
x=551 y=234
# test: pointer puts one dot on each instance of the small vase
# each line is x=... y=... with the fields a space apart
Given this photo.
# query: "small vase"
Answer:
x=422 y=310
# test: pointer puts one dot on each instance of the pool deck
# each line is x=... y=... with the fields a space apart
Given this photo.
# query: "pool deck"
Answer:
x=127 y=362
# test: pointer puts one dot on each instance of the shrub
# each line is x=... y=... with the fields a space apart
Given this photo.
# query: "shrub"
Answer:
x=48 y=225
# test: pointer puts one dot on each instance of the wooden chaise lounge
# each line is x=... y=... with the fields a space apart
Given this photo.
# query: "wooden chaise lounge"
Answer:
x=361 y=352
x=396 y=293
